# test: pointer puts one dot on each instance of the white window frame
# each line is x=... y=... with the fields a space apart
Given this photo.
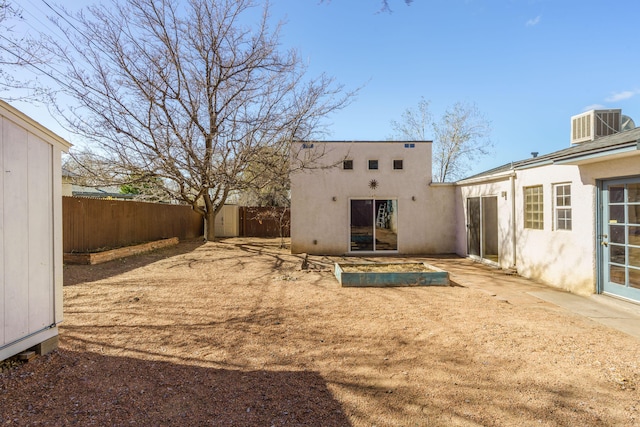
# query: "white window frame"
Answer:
x=562 y=211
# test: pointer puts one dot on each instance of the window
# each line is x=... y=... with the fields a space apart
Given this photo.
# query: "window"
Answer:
x=347 y=164
x=563 y=206
x=397 y=164
x=533 y=208
x=373 y=165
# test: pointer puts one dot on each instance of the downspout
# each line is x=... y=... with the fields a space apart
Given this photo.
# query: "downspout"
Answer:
x=512 y=178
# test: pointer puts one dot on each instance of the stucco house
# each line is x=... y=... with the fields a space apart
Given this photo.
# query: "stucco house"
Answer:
x=369 y=197
x=570 y=218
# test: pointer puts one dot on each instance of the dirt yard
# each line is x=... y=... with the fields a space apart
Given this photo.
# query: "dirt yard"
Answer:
x=235 y=333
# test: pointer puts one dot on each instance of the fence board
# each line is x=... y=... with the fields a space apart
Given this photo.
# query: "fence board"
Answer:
x=255 y=222
x=90 y=224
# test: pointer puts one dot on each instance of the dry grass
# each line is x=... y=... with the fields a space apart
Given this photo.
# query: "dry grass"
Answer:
x=235 y=333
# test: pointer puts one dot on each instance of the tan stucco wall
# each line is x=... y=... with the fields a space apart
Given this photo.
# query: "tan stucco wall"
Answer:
x=436 y=222
x=320 y=224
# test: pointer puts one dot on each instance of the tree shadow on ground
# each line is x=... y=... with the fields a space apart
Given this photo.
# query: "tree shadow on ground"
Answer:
x=85 y=388
x=75 y=274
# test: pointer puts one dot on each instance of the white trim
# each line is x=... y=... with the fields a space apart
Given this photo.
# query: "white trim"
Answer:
x=32 y=126
x=27 y=342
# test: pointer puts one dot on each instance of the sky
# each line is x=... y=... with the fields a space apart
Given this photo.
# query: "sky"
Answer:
x=528 y=65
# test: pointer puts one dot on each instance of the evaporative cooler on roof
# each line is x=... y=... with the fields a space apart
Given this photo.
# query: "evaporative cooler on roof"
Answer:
x=595 y=124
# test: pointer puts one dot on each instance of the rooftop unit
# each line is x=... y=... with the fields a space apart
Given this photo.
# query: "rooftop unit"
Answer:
x=594 y=124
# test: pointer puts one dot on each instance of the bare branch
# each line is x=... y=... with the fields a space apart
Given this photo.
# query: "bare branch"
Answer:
x=460 y=136
x=187 y=95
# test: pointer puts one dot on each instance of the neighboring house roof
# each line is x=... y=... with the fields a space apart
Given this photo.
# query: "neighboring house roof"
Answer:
x=66 y=173
x=616 y=145
x=366 y=141
x=97 y=192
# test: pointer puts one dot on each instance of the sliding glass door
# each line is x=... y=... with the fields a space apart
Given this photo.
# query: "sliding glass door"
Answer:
x=482 y=227
x=374 y=225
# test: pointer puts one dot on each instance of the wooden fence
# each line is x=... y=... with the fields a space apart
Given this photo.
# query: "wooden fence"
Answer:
x=264 y=222
x=90 y=224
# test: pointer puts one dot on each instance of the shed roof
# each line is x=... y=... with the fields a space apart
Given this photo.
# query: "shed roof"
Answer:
x=33 y=126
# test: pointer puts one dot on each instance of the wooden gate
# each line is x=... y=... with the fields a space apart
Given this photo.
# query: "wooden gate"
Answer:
x=264 y=221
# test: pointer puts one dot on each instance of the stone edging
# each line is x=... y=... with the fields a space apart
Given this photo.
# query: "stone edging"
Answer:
x=100 y=257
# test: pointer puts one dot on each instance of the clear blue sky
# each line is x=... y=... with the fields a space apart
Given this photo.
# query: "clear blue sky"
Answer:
x=529 y=65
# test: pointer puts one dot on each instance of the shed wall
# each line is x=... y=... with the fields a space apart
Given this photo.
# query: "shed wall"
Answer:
x=30 y=235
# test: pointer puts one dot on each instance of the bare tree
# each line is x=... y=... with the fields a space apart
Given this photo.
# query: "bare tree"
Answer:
x=384 y=5
x=18 y=51
x=187 y=93
x=386 y=8
x=8 y=14
x=460 y=136
x=415 y=123
x=270 y=190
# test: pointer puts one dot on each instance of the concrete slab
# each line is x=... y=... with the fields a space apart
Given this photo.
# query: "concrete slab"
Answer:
x=621 y=315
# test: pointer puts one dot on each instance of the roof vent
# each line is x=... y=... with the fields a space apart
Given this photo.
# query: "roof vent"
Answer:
x=594 y=124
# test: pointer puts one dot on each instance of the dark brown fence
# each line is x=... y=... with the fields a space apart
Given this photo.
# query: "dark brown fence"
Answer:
x=89 y=224
x=264 y=222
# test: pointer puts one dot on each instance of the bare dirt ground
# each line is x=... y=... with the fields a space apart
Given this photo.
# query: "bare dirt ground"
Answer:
x=234 y=333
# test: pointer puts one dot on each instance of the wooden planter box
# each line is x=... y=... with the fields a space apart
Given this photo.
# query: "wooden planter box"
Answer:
x=100 y=257
x=400 y=274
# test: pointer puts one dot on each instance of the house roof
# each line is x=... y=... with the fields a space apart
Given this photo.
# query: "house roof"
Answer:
x=611 y=146
x=98 y=192
x=366 y=141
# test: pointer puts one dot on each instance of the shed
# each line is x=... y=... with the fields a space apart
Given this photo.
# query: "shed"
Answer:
x=30 y=234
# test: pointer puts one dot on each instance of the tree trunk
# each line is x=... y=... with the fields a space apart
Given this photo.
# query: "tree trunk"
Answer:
x=210 y=226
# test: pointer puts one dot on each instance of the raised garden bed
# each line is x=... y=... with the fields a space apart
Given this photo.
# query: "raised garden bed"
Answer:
x=390 y=274
x=109 y=255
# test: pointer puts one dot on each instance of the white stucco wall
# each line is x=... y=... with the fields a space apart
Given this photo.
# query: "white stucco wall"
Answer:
x=499 y=187
x=320 y=198
x=561 y=258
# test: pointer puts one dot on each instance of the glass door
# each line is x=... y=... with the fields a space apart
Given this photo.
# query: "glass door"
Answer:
x=374 y=225
x=482 y=227
x=473 y=226
x=620 y=239
x=362 y=225
x=490 y=228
